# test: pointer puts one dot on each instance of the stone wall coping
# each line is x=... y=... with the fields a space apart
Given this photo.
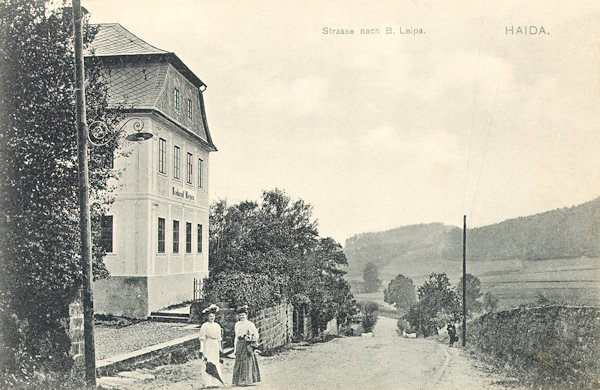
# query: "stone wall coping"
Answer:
x=144 y=351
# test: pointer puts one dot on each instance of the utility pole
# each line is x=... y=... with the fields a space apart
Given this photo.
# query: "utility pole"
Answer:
x=84 y=205
x=464 y=286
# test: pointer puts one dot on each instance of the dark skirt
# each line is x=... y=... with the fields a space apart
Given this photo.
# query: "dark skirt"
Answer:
x=245 y=368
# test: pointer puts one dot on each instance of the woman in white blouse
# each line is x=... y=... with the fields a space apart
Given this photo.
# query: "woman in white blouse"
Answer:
x=210 y=345
x=245 y=368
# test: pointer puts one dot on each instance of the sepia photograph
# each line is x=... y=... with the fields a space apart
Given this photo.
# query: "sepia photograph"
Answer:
x=299 y=194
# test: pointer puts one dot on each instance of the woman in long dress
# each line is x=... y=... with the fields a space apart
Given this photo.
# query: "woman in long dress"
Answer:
x=210 y=345
x=245 y=368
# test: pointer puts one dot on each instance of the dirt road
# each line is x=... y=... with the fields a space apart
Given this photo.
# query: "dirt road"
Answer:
x=383 y=361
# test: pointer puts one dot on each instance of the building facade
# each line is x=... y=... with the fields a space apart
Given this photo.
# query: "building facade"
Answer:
x=156 y=233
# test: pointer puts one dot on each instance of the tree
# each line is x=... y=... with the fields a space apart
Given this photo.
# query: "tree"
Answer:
x=438 y=303
x=277 y=240
x=39 y=237
x=401 y=292
x=473 y=289
x=371 y=277
x=269 y=237
x=490 y=301
x=324 y=283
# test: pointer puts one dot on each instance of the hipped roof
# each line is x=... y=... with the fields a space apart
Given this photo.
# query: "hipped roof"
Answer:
x=139 y=84
x=114 y=40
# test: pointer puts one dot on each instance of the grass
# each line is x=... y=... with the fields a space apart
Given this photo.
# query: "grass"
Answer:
x=574 y=281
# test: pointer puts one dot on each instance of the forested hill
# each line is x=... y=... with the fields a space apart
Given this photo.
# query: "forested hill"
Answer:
x=561 y=233
x=403 y=245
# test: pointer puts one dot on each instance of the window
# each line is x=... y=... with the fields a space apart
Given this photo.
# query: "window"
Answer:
x=176 y=162
x=162 y=155
x=199 y=238
x=176 y=99
x=110 y=160
x=188 y=237
x=199 y=172
x=106 y=233
x=190 y=164
x=161 y=235
x=189 y=108
x=175 y=236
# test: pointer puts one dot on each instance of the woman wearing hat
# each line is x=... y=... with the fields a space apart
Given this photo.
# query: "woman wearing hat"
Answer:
x=245 y=368
x=210 y=346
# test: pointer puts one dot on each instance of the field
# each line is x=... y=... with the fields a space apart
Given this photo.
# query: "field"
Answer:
x=566 y=281
x=574 y=281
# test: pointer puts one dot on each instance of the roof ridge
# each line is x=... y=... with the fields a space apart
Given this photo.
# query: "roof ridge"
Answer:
x=132 y=38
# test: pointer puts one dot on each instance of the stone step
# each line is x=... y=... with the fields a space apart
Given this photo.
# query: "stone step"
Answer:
x=169 y=314
x=169 y=317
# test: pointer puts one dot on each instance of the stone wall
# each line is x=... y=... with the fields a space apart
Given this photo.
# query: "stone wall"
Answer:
x=76 y=334
x=122 y=296
x=558 y=341
x=275 y=325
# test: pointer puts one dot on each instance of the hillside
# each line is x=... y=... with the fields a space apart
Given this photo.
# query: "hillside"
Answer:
x=548 y=248
x=563 y=233
x=415 y=244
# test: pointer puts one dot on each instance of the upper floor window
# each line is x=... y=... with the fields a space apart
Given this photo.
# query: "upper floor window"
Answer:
x=176 y=162
x=190 y=164
x=189 y=108
x=200 y=163
x=176 y=98
x=162 y=155
x=110 y=160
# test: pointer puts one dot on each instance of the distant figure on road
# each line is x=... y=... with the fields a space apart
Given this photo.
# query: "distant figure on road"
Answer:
x=452 y=333
x=245 y=368
x=210 y=346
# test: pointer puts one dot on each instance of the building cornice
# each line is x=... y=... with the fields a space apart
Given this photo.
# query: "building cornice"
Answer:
x=151 y=110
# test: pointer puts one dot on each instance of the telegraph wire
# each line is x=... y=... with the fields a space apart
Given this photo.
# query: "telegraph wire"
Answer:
x=487 y=137
x=476 y=88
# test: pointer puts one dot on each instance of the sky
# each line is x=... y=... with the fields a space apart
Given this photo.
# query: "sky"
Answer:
x=463 y=115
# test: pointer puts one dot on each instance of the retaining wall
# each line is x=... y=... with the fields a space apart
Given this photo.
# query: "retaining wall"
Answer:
x=558 y=341
x=172 y=352
x=76 y=335
x=275 y=325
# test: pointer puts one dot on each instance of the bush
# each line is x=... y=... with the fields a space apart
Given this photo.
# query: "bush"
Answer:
x=256 y=291
x=403 y=326
x=369 y=316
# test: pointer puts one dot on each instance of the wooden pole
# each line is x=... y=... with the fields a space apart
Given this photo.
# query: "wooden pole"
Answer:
x=464 y=286
x=84 y=205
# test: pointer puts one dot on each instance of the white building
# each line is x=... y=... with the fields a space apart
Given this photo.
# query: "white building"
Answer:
x=157 y=232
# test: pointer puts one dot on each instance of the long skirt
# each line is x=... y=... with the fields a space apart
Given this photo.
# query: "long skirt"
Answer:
x=245 y=368
x=212 y=369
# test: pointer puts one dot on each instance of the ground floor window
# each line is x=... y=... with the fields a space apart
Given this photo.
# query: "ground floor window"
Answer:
x=188 y=237
x=161 y=235
x=175 y=236
x=106 y=233
x=199 y=238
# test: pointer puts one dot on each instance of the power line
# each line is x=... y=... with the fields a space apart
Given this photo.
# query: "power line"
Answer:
x=476 y=87
x=487 y=137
